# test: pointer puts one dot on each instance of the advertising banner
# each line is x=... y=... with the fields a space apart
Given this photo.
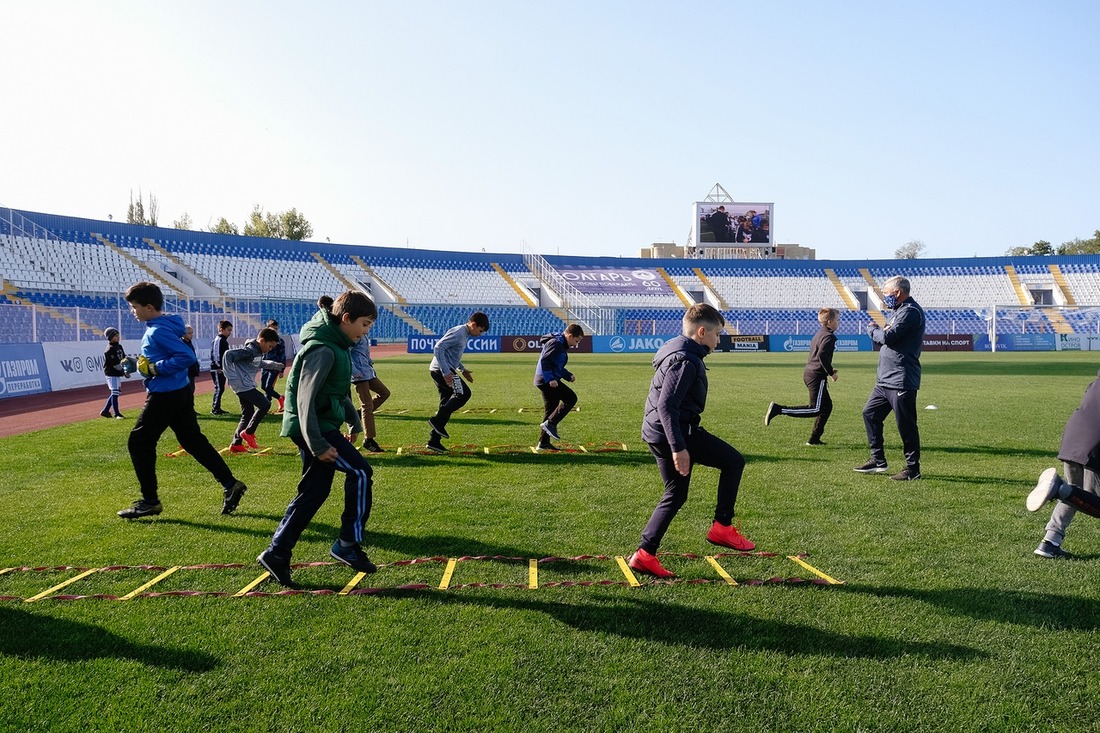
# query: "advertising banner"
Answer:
x=479 y=345
x=524 y=344
x=742 y=342
x=22 y=370
x=80 y=364
x=1078 y=342
x=628 y=344
x=948 y=342
x=615 y=280
x=1017 y=342
x=793 y=342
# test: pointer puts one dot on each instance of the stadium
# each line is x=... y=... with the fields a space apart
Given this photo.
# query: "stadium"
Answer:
x=501 y=600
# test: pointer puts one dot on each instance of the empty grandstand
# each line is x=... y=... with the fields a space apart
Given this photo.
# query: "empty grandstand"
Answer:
x=62 y=280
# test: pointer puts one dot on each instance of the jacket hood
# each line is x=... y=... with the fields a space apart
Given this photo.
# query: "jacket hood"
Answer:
x=322 y=327
x=677 y=345
x=171 y=323
x=547 y=338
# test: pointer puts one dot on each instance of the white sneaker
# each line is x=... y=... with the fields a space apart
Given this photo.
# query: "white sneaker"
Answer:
x=1046 y=490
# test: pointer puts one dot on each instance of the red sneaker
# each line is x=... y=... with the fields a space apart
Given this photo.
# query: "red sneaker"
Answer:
x=728 y=536
x=250 y=440
x=282 y=403
x=238 y=449
x=647 y=562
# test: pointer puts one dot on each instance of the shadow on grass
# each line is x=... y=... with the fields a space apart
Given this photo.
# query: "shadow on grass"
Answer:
x=995 y=604
x=989 y=450
x=31 y=636
x=677 y=625
x=315 y=530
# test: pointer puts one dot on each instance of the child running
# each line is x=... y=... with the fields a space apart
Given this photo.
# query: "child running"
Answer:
x=677 y=398
x=550 y=378
x=366 y=381
x=819 y=368
x=318 y=403
x=240 y=366
x=270 y=377
x=445 y=367
x=114 y=370
x=170 y=404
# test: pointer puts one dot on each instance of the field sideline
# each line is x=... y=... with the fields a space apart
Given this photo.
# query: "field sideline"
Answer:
x=945 y=620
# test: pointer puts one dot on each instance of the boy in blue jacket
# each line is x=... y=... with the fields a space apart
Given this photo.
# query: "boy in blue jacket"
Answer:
x=677 y=398
x=550 y=378
x=164 y=363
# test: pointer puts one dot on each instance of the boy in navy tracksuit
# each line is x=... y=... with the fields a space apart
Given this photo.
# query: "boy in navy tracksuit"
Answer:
x=240 y=366
x=169 y=404
x=819 y=368
x=677 y=398
x=550 y=378
x=218 y=347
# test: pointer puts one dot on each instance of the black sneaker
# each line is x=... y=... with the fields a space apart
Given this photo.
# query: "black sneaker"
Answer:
x=815 y=441
x=277 y=566
x=907 y=474
x=353 y=557
x=105 y=413
x=1051 y=550
x=371 y=446
x=218 y=412
x=773 y=411
x=547 y=446
x=232 y=496
x=435 y=446
x=142 y=508
x=439 y=430
x=872 y=466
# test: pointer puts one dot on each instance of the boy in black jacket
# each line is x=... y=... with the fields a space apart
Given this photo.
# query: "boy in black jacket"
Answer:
x=677 y=398
x=1080 y=490
x=819 y=367
x=114 y=370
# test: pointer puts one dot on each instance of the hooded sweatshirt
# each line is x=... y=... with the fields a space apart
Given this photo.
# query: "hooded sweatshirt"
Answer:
x=241 y=365
x=677 y=394
x=551 y=365
x=163 y=346
x=318 y=388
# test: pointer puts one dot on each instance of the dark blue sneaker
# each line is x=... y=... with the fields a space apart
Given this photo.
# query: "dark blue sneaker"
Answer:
x=353 y=557
x=550 y=429
x=438 y=429
x=1051 y=550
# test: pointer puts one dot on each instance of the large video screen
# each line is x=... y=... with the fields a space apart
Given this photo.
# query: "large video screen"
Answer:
x=733 y=224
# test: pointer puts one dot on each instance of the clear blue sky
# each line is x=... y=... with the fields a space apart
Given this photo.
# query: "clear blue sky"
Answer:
x=576 y=126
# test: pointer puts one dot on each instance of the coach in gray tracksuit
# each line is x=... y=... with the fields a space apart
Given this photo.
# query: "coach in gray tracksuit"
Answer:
x=898 y=380
x=445 y=367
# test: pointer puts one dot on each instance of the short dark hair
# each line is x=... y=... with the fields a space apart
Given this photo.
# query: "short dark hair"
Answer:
x=145 y=293
x=224 y=324
x=575 y=330
x=269 y=335
x=272 y=323
x=702 y=314
x=480 y=320
x=351 y=303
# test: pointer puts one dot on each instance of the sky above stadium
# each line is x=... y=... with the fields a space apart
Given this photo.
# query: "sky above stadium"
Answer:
x=569 y=127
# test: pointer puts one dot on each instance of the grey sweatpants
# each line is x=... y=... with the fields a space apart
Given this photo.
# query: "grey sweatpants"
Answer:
x=1084 y=479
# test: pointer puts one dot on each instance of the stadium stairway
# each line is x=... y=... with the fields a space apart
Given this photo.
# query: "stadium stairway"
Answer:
x=1021 y=291
x=215 y=291
x=688 y=302
x=876 y=315
x=722 y=304
x=515 y=286
x=153 y=274
x=408 y=318
x=1063 y=284
x=845 y=293
x=389 y=288
x=335 y=273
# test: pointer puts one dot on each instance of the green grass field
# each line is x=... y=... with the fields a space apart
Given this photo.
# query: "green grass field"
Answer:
x=946 y=620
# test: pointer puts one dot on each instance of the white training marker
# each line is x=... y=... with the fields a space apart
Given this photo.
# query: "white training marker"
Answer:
x=931 y=407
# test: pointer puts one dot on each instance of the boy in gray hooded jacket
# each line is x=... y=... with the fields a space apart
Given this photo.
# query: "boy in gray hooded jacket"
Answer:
x=241 y=366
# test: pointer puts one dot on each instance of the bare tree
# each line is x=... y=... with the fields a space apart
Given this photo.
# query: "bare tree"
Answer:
x=911 y=250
